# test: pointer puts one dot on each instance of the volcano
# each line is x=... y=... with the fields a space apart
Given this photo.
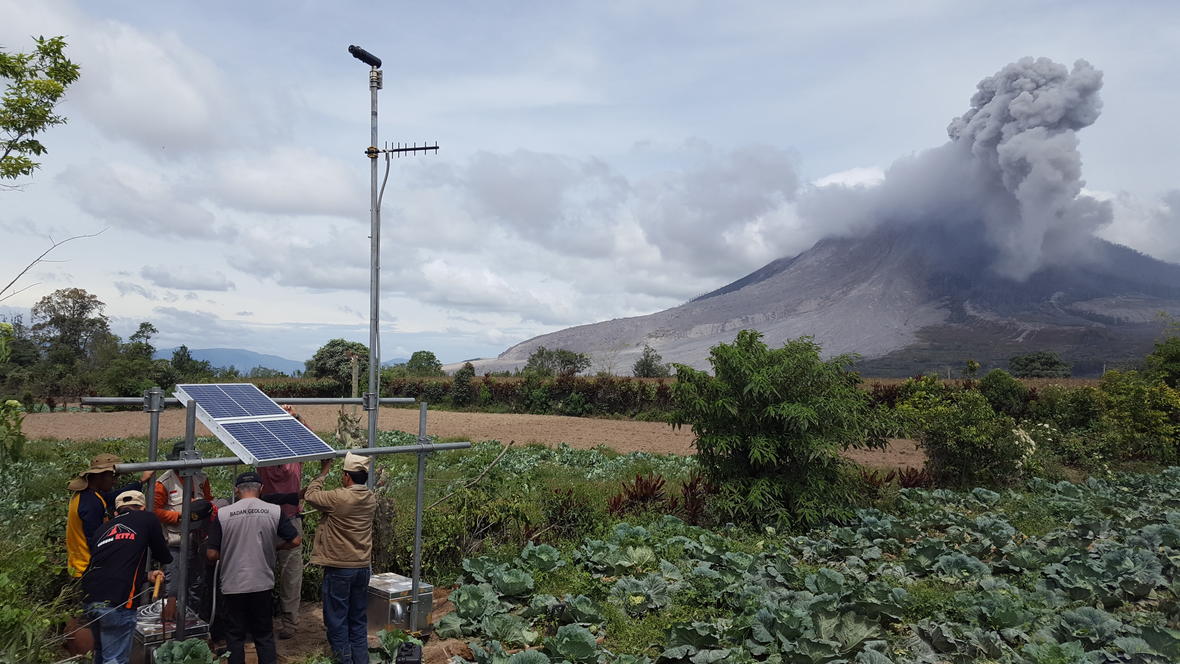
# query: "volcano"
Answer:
x=908 y=301
x=981 y=248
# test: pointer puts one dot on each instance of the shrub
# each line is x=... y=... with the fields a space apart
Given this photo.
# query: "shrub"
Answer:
x=1164 y=361
x=1042 y=364
x=1005 y=394
x=1067 y=408
x=650 y=365
x=12 y=438
x=1141 y=417
x=299 y=387
x=461 y=387
x=770 y=426
x=966 y=442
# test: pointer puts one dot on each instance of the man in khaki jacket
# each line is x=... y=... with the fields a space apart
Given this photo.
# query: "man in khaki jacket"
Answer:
x=344 y=547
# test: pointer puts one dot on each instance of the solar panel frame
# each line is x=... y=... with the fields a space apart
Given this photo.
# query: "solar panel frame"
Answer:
x=255 y=428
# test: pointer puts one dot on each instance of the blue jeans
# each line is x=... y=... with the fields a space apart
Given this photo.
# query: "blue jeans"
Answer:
x=112 y=642
x=346 y=597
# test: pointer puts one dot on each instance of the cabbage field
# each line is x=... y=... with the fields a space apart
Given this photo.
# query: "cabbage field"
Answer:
x=1053 y=573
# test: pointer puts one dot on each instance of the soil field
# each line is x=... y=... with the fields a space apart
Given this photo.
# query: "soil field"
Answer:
x=581 y=432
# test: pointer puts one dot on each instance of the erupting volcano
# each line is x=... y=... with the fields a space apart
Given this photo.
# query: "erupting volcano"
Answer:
x=983 y=247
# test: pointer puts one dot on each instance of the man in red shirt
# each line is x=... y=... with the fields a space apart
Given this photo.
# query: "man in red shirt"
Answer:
x=288 y=478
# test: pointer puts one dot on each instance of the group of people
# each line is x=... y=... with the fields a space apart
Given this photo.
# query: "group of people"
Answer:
x=244 y=547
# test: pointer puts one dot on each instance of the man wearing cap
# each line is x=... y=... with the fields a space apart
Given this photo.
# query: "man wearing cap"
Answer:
x=111 y=582
x=344 y=547
x=287 y=478
x=90 y=507
x=243 y=538
x=168 y=502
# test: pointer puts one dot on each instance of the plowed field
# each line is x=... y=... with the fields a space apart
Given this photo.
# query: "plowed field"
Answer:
x=621 y=435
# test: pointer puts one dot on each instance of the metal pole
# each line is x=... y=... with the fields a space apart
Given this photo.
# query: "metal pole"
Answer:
x=234 y=461
x=303 y=401
x=186 y=497
x=374 y=268
x=153 y=403
x=419 y=496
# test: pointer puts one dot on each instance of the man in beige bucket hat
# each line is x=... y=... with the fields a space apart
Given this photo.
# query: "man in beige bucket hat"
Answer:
x=344 y=547
x=91 y=505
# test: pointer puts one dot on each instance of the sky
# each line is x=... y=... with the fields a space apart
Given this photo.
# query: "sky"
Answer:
x=598 y=159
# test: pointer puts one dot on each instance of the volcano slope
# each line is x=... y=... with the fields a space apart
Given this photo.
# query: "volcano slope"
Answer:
x=907 y=302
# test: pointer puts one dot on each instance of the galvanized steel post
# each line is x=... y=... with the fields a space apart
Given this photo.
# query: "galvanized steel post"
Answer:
x=180 y=587
x=419 y=496
x=374 y=394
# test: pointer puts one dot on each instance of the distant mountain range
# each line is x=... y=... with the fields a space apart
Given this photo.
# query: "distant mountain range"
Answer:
x=241 y=359
x=245 y=360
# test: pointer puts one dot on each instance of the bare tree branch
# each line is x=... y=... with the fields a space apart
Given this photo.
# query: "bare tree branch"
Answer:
x=477 y=477
x=41 y=259
x=35 y=283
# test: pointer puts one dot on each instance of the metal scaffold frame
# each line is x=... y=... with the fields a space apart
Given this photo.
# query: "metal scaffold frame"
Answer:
x=190 y=461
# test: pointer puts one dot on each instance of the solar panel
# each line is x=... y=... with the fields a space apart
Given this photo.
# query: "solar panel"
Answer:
x=252 y=425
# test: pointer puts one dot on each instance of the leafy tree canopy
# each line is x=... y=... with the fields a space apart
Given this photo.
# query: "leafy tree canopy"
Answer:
x=67 y=322
x=770 y=425
x=557 y=362
x=650 y=365
x=424 y=363
x=1041 y=364
x=34 y=83
x=333 y=360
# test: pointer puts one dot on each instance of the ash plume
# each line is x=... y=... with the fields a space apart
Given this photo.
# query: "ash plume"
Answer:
x=1009 y=179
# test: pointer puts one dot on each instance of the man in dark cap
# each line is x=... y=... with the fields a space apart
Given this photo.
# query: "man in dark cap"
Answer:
x=243 y=538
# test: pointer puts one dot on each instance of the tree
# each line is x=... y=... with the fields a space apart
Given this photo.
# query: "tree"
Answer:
x=971 y=369
x=67 y=322
x=770 y=425
x=558 y=362
x=188 y=367
x=7 y=335
x=1164 y=362
x=36 y=82
x=332 y=360
x=650 y=365
x=265 y=372
x=1041 y=364
x=423 y=363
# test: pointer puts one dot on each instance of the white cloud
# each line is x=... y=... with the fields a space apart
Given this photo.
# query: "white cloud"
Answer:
x=139 y=199
x=1152 y=227
x=290 y=181
x=126 y=288
x=186 y=277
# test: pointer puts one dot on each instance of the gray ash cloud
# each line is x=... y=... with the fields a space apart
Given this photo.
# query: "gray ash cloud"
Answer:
x=1010 y=178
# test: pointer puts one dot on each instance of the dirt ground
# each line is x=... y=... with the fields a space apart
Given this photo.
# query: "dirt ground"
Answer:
x=310 y=638
x=581 y=432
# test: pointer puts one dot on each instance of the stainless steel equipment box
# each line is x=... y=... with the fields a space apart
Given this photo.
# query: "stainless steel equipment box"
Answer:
x=390 y=606
x=149 y=634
